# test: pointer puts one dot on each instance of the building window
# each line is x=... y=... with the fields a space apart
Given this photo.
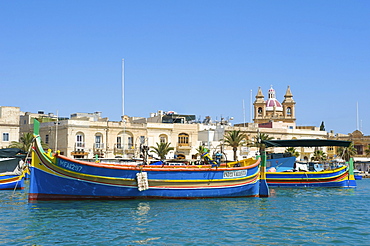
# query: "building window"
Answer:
x=259 y=111
x=142 y=139
x=183 y=139
x=5 y=137
x=47 y=138
x=79 y=141
x=119 y=143
x=163 y=138
x=130 y=142
x=98 y=141
x=360 y=149
x=289 y=111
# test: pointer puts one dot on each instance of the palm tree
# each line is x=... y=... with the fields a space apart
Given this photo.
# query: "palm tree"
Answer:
x=258 y=143
x=367 y=151
x=235 y=139
x=162 y=150
x=293 y=151
x=319 y=155
x=348 y=152
x=25 y=142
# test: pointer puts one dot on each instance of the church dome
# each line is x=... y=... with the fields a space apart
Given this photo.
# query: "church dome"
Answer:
x=272 y=102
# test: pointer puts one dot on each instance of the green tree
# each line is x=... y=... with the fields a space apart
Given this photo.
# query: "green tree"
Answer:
x=162 y=150
x=367 y=151
x=235 y=139
x=293 y=151
x=319 y=156
x=25 y=142
x=258 y=143
x=348 y=152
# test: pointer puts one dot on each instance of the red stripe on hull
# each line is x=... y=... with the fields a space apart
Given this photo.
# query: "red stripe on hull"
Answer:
x=308 y=181
x=22 y=188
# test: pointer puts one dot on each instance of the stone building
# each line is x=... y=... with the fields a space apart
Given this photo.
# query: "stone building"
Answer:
x=88 y=135
x=362 y=146
x=9 y=125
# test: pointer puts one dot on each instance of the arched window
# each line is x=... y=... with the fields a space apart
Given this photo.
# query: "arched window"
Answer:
x=125 y=140
x=119 y=142
x=80 y=141
x=163 y=138
x=183 y=139
x=98 y=141
x=289 y=111
x=259 y=111
x=180 y=156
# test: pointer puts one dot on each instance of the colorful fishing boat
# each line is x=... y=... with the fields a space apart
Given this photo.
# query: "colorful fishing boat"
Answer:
x=56 y=177
x=357 y=174
x=11 y=169
x=337 y=176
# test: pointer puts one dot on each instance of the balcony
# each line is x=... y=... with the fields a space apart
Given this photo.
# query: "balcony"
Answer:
x=98 y=146
x=79 y=147
x=183 y=146
x=79 y=153
x=118 y=149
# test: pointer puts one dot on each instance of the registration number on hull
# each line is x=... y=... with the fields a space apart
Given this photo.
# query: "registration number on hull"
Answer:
x=235 y=174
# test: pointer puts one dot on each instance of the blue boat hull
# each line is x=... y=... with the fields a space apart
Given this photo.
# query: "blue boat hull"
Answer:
x=11 y=182
x=334 y=178
x=54 y=187
x=59 y=177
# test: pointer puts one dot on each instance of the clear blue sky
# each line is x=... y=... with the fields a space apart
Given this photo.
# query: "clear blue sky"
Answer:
x=192 y=57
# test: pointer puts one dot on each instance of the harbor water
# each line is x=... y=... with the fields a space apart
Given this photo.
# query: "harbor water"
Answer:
x=307 y=216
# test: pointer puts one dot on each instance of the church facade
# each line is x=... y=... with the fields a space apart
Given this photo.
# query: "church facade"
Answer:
x=271 y=110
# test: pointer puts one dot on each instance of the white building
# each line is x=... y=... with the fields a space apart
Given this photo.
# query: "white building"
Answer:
x=9 y=125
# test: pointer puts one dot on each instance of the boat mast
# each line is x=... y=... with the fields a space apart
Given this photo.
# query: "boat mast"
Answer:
x=244 y=112
x=250 y=105
x=123 y=108
x=123 y=87
x=357 y=128
x=56 y=132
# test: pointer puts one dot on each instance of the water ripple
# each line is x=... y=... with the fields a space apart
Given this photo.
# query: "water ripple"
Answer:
x=299 y=217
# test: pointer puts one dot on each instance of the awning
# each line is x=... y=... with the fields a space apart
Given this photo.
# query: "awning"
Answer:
x=10 y=152
x=361 y=159
x=305 y=143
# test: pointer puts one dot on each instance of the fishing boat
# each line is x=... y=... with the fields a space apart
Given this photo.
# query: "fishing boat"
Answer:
x=11 y=169
x=310 y=174
x=57 y=177
x=357 y=174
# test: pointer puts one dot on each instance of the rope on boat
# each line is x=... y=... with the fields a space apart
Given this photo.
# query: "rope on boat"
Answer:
x=306 y=175
x=29 y=151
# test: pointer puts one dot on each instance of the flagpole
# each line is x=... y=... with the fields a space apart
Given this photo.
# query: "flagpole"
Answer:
x=123 y=87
